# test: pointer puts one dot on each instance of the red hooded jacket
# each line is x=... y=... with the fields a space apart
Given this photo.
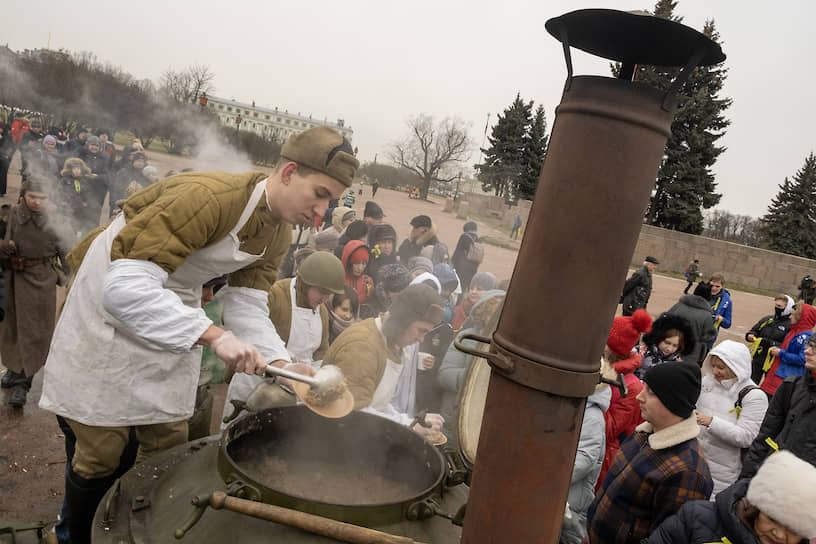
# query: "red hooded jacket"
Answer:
x=623 y=414
x=356 y=251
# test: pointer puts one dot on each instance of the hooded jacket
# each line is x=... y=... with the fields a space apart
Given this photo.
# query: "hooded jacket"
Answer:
x=791 y=358
x=697 y=312
x=587 y=467
x=623 y=414
x=650 y=350
x=770 y=331
x=355 y=250
x=730 y=429
x=411 y=248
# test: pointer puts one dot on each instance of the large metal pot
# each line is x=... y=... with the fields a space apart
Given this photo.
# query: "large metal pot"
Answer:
x=153 y=500
x=362 y=468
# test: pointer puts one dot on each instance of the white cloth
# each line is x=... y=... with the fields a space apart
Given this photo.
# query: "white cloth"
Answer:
x=381 y=400
x=404 y=399
x=99 y=370
x=723 y=440
x=305 y=331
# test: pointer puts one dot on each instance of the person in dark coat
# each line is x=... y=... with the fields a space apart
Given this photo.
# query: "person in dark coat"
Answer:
x=775 y=507
x=423 y=233
x=695 y=309
x=464 y=267
x=790 y=422
x=807 y=289
x=132 y=171
x=100 y=164
x=382 y=239
x=767 y=333
x=7 y=149
x=76 y=143
x=660 y=467
x=638 y=288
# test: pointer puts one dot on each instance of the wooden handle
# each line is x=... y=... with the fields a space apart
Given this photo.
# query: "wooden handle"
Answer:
x=338 y=530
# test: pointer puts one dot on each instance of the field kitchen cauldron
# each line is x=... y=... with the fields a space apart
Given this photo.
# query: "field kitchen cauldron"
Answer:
x=361 y=469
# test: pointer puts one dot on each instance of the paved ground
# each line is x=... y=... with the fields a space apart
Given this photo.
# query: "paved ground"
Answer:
x=31 y=446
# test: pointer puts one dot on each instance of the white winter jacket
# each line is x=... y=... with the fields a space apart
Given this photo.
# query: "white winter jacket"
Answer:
x=723 y=440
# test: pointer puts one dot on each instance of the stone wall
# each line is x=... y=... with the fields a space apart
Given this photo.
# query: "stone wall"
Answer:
x=749 y=266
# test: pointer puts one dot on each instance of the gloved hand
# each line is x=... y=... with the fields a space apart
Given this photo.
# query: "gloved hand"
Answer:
x=237 y=354
x=426 y=361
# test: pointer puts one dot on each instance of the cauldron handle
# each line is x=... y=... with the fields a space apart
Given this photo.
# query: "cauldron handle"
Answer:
x=345 y=532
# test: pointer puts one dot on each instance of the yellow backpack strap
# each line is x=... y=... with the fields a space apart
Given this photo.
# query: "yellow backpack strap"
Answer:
x=723 y=540
x=772 y=443
x=755 y=345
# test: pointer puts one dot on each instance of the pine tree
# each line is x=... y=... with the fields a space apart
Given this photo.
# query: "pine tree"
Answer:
x=534 y=151
x=504 y=161
x=685 y=184
x=790 y=224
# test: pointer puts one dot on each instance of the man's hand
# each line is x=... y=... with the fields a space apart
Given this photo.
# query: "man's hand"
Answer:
x=237 y=354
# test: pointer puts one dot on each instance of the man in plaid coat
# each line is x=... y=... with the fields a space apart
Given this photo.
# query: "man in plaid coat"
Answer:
x=660 y=467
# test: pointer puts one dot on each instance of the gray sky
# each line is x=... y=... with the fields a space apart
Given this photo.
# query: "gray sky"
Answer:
x=376 y=63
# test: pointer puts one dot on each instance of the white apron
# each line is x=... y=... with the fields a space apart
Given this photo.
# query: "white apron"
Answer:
x=381 y=399
x=305 y=335
x=102 y=375
x=305 y=332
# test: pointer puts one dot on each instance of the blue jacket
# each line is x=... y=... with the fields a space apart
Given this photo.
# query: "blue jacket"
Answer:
x=721 y=305
x=792 y=359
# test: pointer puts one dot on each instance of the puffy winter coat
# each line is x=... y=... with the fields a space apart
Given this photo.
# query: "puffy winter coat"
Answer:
x=623 y=415
x=696 y=310
x=587 y=467
x=730 y=430
x=768 y=332
x=790 y=361
x=790 y=423
x=703 y=522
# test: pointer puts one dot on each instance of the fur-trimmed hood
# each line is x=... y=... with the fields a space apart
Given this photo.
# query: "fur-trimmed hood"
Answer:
x=672 y=435
x=427 y=238
x=671 y=321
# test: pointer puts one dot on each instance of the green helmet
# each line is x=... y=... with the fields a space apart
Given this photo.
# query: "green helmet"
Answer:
x=323 y=269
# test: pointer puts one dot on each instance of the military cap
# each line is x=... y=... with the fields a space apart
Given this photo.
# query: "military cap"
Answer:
x=325 y=150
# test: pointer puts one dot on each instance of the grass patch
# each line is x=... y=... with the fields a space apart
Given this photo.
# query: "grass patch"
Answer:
x=125 y=138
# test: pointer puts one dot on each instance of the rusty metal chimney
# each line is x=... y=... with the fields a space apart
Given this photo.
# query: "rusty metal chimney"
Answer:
x=605 y=149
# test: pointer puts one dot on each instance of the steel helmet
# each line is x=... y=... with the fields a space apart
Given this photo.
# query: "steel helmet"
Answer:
x=323 y=269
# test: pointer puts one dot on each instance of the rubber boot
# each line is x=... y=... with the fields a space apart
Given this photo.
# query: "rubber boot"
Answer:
x=82 y=496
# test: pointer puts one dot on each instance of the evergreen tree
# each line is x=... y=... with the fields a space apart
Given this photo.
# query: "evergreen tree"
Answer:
x=504 y=161
x=790 y=223
x=685 y=184
x=534 y=151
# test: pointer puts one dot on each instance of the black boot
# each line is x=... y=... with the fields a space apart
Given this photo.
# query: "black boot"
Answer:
x=82 y=496
x=18 y=396
x=10 y=379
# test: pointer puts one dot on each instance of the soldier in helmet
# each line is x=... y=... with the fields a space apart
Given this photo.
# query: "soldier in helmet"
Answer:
x=296 y=307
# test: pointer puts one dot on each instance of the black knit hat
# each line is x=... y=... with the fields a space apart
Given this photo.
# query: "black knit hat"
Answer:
x=677 y=385
x=372 y=209
x=421 y=221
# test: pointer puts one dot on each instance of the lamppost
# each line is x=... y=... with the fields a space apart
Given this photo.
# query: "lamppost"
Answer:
x=238 y=123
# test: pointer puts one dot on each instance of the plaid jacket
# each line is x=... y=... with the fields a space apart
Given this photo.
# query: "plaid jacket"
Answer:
x=645 y=485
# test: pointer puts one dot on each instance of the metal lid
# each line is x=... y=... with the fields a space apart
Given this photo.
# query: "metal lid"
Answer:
x=471 y=408
x=633 y=37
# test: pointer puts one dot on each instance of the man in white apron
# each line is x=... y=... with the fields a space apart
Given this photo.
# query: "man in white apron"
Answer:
x=370 y=353
x=126 y=349
x=297 y=309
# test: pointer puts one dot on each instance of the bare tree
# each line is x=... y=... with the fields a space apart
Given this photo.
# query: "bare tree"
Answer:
x=740 y=229
x=188 y=84
x=430 y=150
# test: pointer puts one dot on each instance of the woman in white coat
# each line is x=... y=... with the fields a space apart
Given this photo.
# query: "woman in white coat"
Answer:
x=729 y=411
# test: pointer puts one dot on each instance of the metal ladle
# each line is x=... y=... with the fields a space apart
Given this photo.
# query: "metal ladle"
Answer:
x=325 y=378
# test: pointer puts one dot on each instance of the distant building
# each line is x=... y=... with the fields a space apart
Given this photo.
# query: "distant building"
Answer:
x=272 y=123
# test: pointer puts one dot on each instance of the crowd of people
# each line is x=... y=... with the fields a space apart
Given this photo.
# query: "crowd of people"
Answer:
x=279 y=270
